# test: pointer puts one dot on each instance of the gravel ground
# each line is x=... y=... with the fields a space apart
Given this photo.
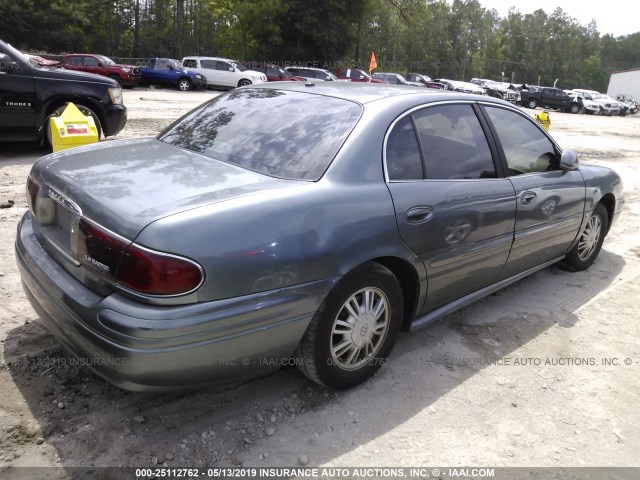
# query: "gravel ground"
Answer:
x=534 y=375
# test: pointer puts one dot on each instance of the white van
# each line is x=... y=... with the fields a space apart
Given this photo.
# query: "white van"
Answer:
x=223 y=72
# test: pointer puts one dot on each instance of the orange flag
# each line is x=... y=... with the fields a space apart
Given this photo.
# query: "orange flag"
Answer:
x=372 y=62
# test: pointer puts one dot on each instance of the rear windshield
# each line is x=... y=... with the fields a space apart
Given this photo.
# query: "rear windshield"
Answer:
x=280 y=133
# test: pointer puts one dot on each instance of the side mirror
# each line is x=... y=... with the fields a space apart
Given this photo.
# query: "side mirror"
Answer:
x=569 y=160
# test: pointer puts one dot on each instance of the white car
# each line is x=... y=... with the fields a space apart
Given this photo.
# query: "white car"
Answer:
x=588 y=104
x=608 y=106
x=459 y=86
x=223 y=72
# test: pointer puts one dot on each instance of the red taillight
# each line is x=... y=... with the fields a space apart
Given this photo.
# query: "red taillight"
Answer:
x=32 y=192
x=134 y=267
x=156 y=273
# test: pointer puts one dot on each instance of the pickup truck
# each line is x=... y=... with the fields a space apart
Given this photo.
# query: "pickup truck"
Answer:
x=169 y=72
x=125 y=75
x=548 y=97
x=30 y=93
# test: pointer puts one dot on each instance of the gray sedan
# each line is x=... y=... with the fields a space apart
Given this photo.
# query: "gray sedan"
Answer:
x=298 y=223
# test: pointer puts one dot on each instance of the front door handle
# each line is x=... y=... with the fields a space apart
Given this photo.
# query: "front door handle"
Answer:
x=419 y=214
x=527 y=198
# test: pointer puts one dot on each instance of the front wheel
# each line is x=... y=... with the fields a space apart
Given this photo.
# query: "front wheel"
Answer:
x=86 y=111
x=354 y=329
x=575 y=108
x=184 y=85
x=532 y=103
x=585 y=252
x=244 y=82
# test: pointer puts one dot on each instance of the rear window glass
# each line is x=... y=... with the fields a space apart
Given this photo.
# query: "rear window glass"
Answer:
x=239 y=128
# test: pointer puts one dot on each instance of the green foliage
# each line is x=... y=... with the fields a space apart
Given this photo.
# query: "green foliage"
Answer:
x=459 y=40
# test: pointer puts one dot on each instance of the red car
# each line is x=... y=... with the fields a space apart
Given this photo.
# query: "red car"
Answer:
x=125 y=75
x=356 y=75
x=275 y=73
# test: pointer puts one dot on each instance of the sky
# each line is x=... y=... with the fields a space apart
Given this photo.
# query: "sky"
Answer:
x=616 y=17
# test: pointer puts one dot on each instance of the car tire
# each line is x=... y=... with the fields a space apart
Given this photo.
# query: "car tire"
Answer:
x=184 y=85
x=354 y=329
x=585 y=252
x=244 y=82
x=85 y=110
x=532 y=103
x=574 y=108
x=117 y=79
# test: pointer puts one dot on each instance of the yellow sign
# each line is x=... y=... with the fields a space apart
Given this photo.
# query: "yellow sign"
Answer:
x=72 y=129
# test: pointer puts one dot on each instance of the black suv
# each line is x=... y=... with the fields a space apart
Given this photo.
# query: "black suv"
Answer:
x=30 y=93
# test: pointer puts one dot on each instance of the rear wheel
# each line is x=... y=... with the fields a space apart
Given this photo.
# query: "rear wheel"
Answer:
x=354 y=329
x=590 y=242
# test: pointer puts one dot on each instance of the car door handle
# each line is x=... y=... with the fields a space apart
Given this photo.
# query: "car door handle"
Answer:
x=527 y=198
x=419 y=214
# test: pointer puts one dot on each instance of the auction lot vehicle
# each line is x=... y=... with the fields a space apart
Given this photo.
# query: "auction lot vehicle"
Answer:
x=223 y=72
x=125 y=75
x=230 y=243
x=356 y=75
x=458 y=86
x=312 y=73
x=629 y=101
x=424 y=80
x=169 y=72
x=395 y=79
x=608 y=106
x=585 y=102
x=275 y=73
x=548 y=97
x=31 y=92
x=495 y=89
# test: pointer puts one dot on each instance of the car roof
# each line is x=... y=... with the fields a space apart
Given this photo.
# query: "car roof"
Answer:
x=306 y=68
x=366 y=93
x=198 y=57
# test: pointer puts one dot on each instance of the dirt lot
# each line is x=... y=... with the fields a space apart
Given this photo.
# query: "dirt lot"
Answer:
x=532 y=376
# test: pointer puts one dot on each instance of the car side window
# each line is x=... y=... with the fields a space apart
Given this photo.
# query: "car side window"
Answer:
x=90 y=62
x=453 y=143
x=272 y=72
x=193 y=64
x=222 y=66
x=526 y=148
x=208 y=64
x=403 y=152
x=75 y=61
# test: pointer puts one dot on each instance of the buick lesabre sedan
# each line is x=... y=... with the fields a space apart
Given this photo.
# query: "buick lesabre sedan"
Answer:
x=230 y=244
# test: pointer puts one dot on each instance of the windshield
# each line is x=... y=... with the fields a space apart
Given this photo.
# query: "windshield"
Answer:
x=402 y=79
x=106 y=60
x=238 y=128
x=240 y=67
x=16 y=54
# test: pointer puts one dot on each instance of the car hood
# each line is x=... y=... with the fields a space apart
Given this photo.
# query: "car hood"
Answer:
x=125 y=185
x=73 y=75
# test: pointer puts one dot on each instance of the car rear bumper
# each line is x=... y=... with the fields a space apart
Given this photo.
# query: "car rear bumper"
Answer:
x=116 y=119
x=141 y=347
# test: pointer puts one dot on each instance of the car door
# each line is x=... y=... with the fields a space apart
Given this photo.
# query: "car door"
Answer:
x=91 y=65
x=225 y=74
x=452 y=208
x=550 y=202
x=18 y=102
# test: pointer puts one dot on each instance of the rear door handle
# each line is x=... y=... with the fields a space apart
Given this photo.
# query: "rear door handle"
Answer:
x=527 y=198
x=419 y=214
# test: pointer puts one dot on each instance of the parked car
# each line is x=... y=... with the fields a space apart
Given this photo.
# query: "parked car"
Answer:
x=223 y=72
x=629 y=101
x=30 y=93
x=419 y=77
x=458 y=86
x=169 y=73
x=608 y=106
x=275 y=73
x=395 y=79
x=550 y=98
x=230 y=243
x=505 y=91
x=312 y=73
x=356 y=75
x=586 y=104
x=44 y=62
x=125 y=75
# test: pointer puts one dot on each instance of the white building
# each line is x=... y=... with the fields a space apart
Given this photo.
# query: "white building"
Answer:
x=627 y=82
